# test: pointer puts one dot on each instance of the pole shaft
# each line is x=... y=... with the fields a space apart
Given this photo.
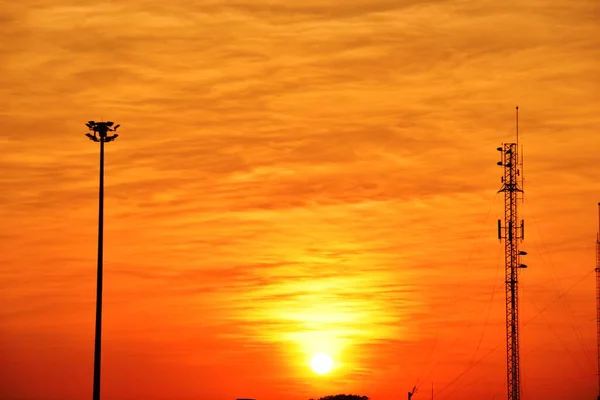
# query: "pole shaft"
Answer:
x=98 y=333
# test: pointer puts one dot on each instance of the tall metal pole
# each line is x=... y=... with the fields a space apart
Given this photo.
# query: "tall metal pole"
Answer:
x=512 y=233
x=100 y=130
x=598 y=297
x=98 y=332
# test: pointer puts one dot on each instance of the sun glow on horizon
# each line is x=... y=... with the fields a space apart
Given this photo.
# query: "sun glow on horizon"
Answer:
x=321 y=363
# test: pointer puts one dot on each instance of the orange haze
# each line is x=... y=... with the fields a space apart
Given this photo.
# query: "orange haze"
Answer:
x=295 y=177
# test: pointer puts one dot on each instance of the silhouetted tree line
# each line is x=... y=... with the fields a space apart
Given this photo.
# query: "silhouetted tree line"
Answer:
x=343 y=397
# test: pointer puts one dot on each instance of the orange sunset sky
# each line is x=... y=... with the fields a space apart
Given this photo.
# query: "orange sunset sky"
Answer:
x=295 y=177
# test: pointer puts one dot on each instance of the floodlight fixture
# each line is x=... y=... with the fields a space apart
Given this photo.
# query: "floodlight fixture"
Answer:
x=100 y=130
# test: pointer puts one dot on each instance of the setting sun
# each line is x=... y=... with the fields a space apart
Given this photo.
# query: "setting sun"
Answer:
x=321 y=363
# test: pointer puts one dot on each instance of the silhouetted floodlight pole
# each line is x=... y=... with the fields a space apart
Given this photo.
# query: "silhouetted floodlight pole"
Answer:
x=100 y=130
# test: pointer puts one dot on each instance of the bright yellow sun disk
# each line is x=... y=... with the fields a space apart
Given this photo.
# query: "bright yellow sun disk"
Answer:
x=321 y=363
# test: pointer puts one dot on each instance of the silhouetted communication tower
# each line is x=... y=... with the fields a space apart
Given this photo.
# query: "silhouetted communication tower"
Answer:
x=512 y=233
x=598 y=297
x=100 y=130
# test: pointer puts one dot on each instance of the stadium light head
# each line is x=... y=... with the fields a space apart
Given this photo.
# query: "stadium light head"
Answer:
x=100 y=131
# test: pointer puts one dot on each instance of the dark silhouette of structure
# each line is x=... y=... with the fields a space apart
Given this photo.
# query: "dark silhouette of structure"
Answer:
x=343 y=397
x=598 y=297
x=513 y=234
x=412 y=393
x=100 y=130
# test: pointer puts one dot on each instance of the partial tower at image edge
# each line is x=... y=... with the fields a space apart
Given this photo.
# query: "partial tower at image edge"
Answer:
x=598 y=300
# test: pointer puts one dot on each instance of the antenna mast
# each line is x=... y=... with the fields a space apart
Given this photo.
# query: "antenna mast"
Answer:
x=512 y=234
x=598 y=296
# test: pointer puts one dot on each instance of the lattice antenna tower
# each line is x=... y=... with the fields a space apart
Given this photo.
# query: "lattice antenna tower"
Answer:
x=598 y=297
x=513 y=233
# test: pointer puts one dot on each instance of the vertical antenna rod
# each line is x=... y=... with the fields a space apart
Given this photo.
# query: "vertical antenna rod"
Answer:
x=512 y=233
x=517 y=125
x=598 y=297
